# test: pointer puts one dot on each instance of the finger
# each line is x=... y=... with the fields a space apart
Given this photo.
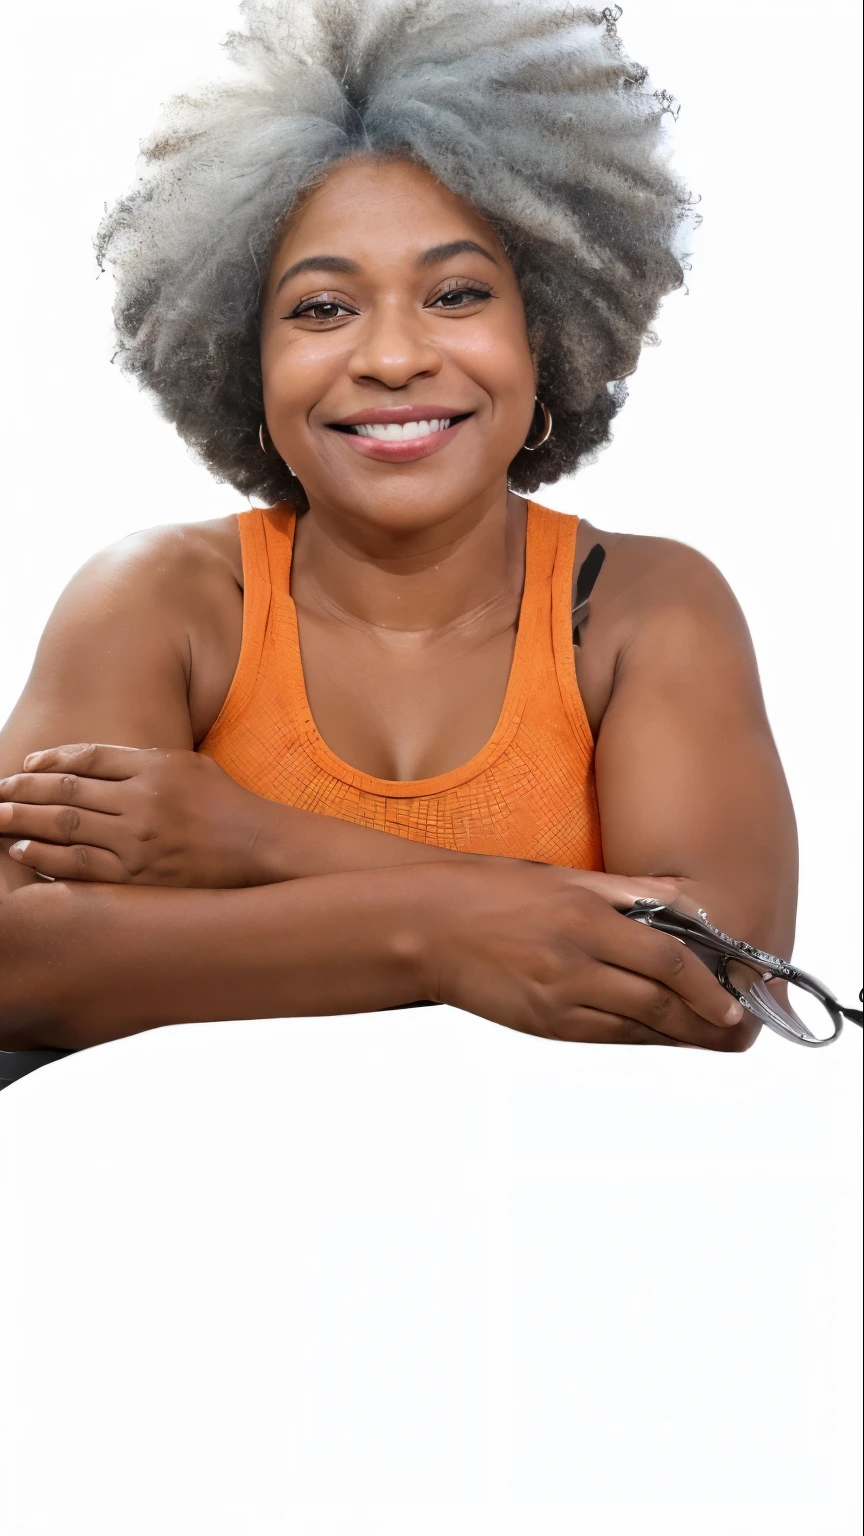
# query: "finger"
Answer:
x=664 y=959
x=632 y=996
x=77 y=862
x=60 y=789
x=63 y=824
x=597 y=1027
x=626 y=890
x=92 y=759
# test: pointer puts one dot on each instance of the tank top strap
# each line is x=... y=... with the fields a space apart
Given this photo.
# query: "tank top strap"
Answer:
x=567 y=528
x=541 y=546
x=277 y=530
x=550 y=545
x=266 y=540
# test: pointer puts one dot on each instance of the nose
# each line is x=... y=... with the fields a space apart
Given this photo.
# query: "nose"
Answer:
x=393 y=347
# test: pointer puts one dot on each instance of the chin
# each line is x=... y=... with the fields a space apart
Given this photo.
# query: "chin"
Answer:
x=403 y=505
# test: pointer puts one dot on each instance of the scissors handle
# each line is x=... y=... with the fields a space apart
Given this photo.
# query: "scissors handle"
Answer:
x=699 y=933
x=682 y=926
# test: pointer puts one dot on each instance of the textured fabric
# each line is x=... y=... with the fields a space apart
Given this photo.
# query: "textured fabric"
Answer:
x=529 y=793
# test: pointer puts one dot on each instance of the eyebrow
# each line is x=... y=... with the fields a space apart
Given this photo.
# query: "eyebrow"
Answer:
x=430 y=258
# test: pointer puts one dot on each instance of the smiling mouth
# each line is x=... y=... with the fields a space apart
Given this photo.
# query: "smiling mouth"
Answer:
x=400 y=432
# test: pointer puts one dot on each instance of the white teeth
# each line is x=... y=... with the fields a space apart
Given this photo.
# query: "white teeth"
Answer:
x=400 y=432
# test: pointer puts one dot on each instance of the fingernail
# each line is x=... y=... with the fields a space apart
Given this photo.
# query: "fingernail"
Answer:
x=18 y=850
x=734 y=1014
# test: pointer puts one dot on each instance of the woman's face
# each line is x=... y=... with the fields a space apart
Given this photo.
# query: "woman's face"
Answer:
x=389 y=301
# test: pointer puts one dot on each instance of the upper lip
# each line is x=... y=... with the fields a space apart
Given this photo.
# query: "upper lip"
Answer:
x=398 y=413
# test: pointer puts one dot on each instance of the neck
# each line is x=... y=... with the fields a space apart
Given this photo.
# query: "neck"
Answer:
x=416 y=578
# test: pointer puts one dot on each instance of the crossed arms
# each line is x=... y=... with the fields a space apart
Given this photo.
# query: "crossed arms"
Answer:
x=180 y=897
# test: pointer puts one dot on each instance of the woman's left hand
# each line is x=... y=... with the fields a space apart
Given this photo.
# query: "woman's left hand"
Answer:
x=135 y=816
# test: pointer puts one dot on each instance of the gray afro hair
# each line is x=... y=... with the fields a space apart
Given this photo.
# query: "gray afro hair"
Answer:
x=529 y=111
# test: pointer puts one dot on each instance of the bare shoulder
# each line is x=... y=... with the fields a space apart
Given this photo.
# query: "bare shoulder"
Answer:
x=644 y=578
x=161 y=590
x=168 y=563
x=141 y=645
x=177 y=590
x=651 y=592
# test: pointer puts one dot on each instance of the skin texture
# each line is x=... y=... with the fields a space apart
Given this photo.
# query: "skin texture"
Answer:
x=178 y=896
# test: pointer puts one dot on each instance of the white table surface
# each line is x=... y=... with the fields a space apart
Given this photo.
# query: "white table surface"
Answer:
x=412 y=1272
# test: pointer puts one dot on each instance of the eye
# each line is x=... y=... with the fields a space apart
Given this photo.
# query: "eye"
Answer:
x=461 y=295
x=312 y=308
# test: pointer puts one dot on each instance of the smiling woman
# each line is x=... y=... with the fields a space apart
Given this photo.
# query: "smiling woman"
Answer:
x=445 y=315
x=395 y=733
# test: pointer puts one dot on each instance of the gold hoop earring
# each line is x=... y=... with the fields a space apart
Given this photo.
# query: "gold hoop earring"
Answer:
x=265 y=449
x=547 y=425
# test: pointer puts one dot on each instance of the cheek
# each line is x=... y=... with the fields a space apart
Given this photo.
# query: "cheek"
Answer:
x=498 y=358
x=296 y=372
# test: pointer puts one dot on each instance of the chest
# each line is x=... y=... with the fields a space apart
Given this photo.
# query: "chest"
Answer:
x=399 y=705
x=406 y=705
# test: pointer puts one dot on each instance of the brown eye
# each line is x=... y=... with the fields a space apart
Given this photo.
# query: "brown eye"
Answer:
x=314 y=309
x=461 y=297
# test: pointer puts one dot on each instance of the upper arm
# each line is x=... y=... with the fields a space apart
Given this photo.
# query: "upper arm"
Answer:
x=112 y=664
x=689 y=780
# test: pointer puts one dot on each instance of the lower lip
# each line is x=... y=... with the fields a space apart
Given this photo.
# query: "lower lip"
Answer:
x=404 y=452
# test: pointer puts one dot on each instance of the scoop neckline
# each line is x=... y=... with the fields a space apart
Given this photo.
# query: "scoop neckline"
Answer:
x=508 y=719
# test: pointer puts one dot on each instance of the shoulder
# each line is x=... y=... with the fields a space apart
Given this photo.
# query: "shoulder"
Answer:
x=650 y=581
x=141 y=643
x=658 y=604
x=156 y=581
x=141 y=598
x=166 y=561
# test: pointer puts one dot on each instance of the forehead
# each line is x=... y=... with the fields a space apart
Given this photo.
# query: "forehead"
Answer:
x=380 y=212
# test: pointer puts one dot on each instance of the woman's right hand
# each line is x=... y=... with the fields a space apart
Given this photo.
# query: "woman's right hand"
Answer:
x=543 y=950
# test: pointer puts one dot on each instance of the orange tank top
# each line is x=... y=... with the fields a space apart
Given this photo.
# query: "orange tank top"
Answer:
x=528 y=794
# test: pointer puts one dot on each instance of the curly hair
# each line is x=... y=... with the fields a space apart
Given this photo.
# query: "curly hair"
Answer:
x=529 y=111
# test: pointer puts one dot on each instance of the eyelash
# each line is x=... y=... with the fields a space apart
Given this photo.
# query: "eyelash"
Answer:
x=304 y=311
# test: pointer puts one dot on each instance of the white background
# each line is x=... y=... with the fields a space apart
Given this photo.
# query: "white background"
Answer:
x=417 y=1264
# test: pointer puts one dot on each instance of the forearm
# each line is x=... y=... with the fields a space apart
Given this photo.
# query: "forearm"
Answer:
x=179 y=821
x=83 y=963
x=295 y=843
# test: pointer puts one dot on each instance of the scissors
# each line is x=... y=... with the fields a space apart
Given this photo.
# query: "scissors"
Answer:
x=698 y=934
